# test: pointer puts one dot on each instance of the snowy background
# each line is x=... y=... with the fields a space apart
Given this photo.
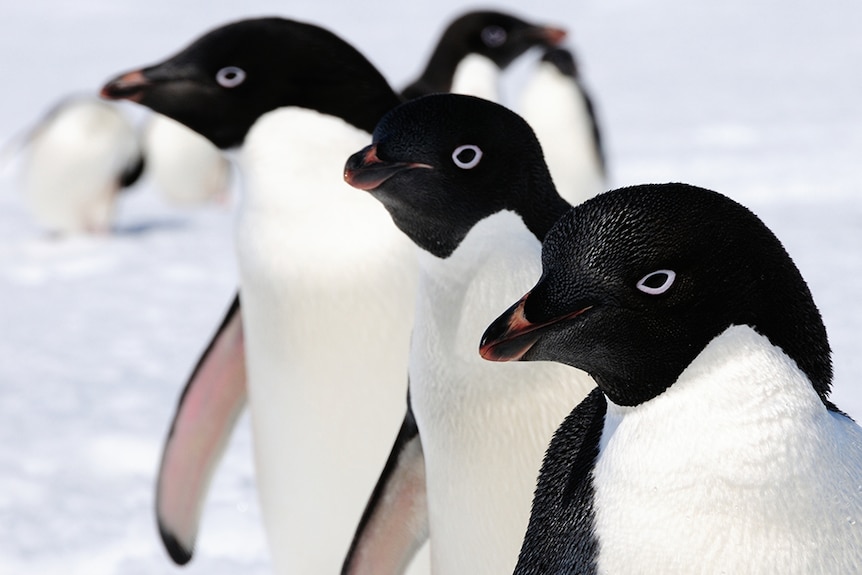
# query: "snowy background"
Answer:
x=761 y=100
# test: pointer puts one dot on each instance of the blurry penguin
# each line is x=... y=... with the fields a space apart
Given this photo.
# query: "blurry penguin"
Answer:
x=710 y=445
x=560 y=111
x=186 y=168
x=77 y=158
x=474 y=49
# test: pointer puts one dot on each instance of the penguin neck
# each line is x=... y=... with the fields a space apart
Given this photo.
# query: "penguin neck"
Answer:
x=476 y=75
x=501 y=228
x=440 y=70
x=739 y=371
x=360 y=104
x=450 y=70
x=292 y=162
x=540 y=206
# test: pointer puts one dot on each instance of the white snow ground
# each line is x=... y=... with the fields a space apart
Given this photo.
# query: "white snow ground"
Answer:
x=758 y=100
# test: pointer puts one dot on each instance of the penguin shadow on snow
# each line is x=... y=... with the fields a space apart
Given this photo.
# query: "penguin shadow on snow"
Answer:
x=156 y=225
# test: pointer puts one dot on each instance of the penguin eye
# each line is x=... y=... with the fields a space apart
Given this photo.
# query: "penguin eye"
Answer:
x=493 y=36
x=657 y=282
x=230 y=77
x=467 y=156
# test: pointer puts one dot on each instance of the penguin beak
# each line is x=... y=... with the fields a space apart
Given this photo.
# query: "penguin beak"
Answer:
x=129 y=86
x=547 y=35
x=512 y=335
x=365 y=171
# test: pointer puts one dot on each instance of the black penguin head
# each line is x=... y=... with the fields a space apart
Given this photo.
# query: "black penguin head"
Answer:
x=499 y=37
x=637 y=281
x=442 y=163
x=224 y=81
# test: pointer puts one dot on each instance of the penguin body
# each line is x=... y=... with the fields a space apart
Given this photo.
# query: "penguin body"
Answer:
x=78 y=158
x=559 y=109
x=438 y=165
x=187 y=168
x=710 y=445
x=483 y=431
x=346 y=289
x=327 y=282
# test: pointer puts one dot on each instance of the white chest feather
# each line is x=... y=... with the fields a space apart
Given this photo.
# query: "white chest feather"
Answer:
x=477 y=76
x=737 y=468
x=327 y=290
x=74 y=166
x=555 y=108
x=186 y=167
x=484 y=425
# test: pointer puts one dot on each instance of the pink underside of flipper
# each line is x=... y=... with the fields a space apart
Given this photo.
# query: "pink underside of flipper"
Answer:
x=398 y=524
x=211 y=403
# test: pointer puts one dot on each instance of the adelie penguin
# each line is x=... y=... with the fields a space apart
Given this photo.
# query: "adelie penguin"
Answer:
x=558 y=107
x=327 y=287
x=473 y=50
x=79 y=156
x=464 y=179
x=710 y=445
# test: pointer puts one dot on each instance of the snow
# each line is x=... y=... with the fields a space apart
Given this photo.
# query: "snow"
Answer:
x=758 y=100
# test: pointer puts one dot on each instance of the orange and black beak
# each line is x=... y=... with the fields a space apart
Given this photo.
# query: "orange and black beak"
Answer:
x=365 y=171
x=548 y=35
x=129 y=86
x=512 y=335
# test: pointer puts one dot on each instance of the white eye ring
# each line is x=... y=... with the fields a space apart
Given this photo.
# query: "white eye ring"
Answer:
x=669 y=277
x=230 y=76
x=472 y=162
x=493 y=36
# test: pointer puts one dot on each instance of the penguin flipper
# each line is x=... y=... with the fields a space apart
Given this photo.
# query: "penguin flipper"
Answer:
x=133 y=170
x=395 y=522
x=207 y=412
x=560 y=536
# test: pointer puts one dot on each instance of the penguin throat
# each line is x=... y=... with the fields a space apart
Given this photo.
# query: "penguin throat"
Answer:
x=477 y=76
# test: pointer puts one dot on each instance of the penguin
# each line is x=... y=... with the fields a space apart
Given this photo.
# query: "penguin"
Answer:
x=186 y=168
x=327 y=286
x=77 y=159
x=559 y=109
x=465 y=180
x=473 y=50
x=710 y=444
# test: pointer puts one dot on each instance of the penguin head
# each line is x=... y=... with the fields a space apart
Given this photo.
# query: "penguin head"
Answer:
x=637 y=281
x=224 y=81
x=441 y=163
x=499 y=37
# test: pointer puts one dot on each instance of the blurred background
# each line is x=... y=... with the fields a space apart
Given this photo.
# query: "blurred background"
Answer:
x=760 y=100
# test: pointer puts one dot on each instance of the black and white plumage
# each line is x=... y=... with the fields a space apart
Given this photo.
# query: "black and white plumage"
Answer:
x=327 y=285
x=558 y=107
x=464 y=178
x=77 y=159
x=474 y=48
x=710 y=445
